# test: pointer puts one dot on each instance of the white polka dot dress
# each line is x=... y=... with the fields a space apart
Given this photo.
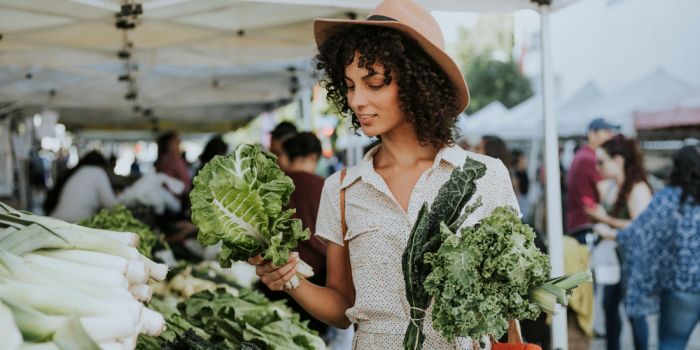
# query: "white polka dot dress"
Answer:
x=378 y=229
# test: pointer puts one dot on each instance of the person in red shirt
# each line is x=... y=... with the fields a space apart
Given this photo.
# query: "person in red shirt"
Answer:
x=583 y=177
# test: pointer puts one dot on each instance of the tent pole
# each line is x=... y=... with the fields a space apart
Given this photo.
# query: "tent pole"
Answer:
x=553 y=191
x=306 y=108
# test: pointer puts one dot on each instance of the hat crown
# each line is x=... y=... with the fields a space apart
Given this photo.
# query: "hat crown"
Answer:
x=411 y=14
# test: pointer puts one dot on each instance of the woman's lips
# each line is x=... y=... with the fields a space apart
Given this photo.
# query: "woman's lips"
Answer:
x=366 y=118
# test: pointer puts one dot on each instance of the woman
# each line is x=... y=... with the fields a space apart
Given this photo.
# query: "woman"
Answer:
x=170 y=161
x=391 y=76
x=626 y=193
x=661 y=254
x=493 y=146
x=82 y=191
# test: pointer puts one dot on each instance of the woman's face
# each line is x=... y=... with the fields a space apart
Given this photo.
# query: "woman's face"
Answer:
x=174 y=145
x=375 y=104
x=610 y=167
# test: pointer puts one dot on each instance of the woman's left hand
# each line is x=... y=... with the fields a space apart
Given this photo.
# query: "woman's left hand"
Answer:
x=597 y=213
x=605 y=231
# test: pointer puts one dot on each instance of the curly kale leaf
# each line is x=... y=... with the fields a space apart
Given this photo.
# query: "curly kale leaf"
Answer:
x=481 y=279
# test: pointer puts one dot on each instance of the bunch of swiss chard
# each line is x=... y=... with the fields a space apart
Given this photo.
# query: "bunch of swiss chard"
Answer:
x=480 y=276
x=247 y=320
x=238 y=199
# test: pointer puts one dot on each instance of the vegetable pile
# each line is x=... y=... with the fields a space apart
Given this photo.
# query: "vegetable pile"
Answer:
x=244 y=321
x=64 y=286
x=479 y=279
x=238 y=199
x=250 y=317
x=120 y=219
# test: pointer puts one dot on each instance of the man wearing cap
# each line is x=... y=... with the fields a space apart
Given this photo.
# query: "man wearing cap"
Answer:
x=582 y=178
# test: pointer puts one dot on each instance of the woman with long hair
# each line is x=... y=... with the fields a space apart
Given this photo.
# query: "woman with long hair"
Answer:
x=81 y=191
x=391 y=76
x=661 y=254
x=170 y=160
x=625 y=194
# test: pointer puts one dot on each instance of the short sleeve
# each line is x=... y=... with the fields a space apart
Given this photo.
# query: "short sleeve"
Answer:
x=503 y=193
x=328 y=225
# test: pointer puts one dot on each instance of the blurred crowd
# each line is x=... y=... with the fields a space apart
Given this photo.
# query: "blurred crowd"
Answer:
x=643 y=247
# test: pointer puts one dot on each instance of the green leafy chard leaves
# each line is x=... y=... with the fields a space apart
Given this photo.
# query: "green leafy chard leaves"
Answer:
x=238 y=199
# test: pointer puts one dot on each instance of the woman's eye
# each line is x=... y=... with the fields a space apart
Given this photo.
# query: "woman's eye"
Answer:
x=351 y=88
x=376 y=87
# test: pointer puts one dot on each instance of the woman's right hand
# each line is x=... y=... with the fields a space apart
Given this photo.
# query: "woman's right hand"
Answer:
x=275 y=278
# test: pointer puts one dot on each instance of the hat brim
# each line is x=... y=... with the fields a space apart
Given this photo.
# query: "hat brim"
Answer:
x=323 y=28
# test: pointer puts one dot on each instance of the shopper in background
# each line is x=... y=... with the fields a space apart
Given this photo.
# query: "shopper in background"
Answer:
x=82 y=191
x=582 y=178
x=661 y=254
x=303 y=151
x=494 y=147
x=625 y=194
x=521 y=182
x=215 y=147
x=171 y=162
x=282 y=132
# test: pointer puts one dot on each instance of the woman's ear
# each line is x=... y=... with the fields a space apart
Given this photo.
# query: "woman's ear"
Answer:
x=619 y=160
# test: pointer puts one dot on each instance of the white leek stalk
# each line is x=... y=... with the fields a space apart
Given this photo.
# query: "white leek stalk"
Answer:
x=85 y=257
x=305 y=271
x=141 y=292
x=158 y=271
x=137 y=272
x=35 y=237
x=97 y=275
x=111 y=346
x=153 y=322
x=18 y=269
x=57 y=302
x=39 y=346
x=10 y=337
x=37 y=326
x=56 y=281
x=128 y=238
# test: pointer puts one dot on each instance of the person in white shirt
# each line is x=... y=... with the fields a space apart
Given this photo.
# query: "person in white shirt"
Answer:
x=82 y=191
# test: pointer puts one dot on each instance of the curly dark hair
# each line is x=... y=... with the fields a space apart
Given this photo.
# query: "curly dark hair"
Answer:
x=427 y=96
x=686 y=174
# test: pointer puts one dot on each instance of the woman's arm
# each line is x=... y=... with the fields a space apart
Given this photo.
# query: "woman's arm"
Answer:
x=639 y=199
x=105 y=194
x=328 y=303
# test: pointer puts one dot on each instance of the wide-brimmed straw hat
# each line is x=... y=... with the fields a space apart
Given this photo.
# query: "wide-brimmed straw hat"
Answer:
x=414 y=21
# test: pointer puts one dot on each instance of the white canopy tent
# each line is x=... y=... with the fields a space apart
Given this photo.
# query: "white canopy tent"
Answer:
x=523 y=122
x=178 y=42
x=573 y=115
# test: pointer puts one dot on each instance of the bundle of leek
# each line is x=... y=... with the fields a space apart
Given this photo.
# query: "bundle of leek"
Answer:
x=64 y=286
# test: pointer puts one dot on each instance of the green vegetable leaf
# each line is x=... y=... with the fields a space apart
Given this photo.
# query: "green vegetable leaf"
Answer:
x=122 y=220
x=238 y=200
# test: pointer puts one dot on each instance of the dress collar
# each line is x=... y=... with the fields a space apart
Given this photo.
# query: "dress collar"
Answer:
x=453 y=155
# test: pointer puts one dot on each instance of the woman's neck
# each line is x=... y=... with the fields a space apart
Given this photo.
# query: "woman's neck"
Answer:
x=302 y=165
x=619 y=180
x=401 y=147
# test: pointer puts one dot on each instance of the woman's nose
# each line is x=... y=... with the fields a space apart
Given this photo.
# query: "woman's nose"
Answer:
x=357 y=99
